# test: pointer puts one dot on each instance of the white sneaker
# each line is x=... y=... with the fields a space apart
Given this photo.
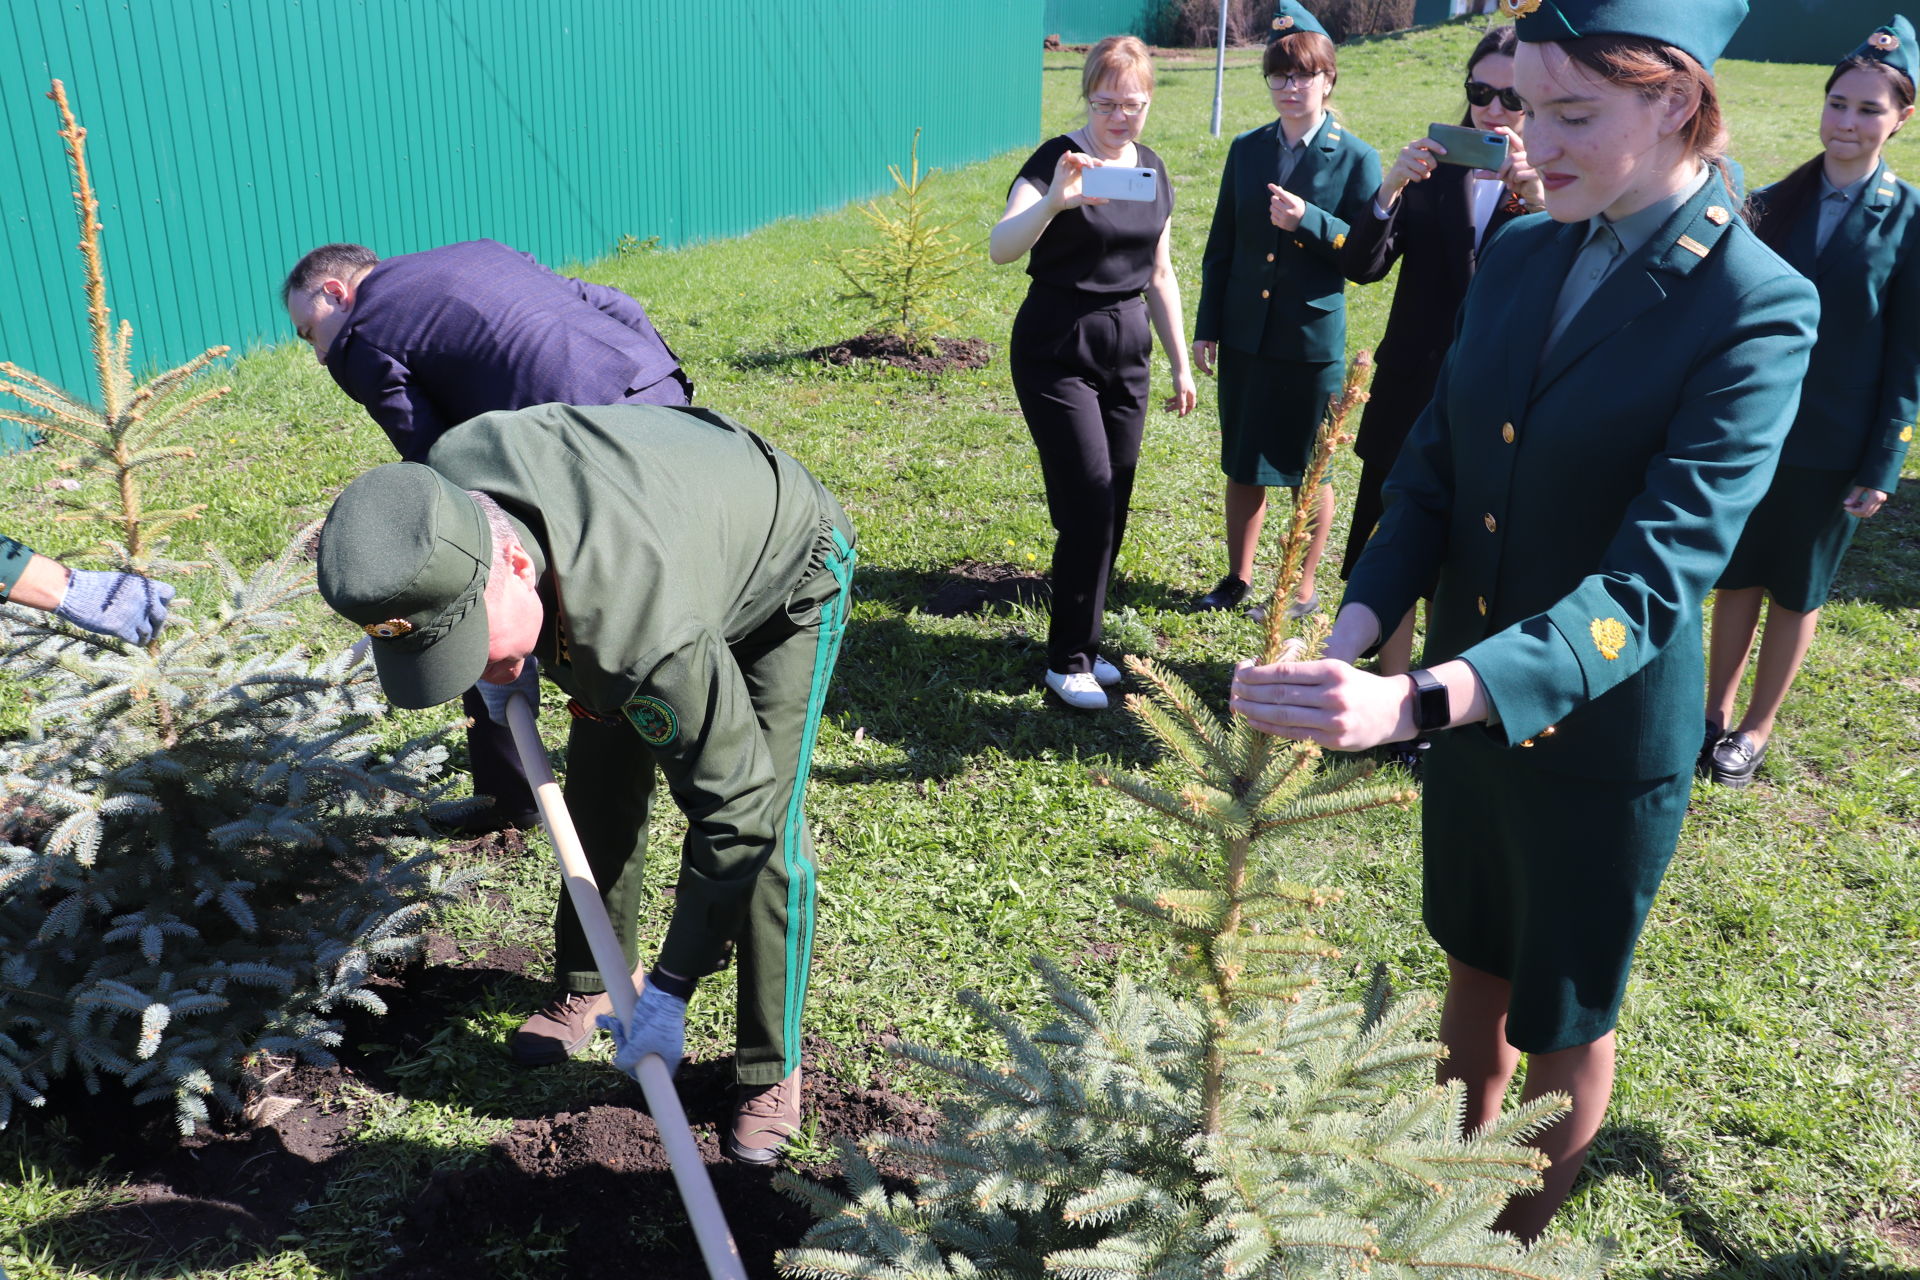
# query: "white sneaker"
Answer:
x=1104 y=672
x=1078 y=689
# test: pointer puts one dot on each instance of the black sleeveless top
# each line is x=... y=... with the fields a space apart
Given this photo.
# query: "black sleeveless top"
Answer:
x=1106 y=248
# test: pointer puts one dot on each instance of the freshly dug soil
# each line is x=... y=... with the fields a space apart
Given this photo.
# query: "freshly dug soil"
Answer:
x=588 y=1186
x=975 y=586
x=895 y=352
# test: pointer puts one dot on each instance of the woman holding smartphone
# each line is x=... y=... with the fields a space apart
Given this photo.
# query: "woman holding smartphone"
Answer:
x=1432 y=217
x=1844 y=221
x=1273 y=310
x=1612 y=409
x=1080 y=345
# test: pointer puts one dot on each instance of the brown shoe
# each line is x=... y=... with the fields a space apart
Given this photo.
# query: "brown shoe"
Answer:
x=561 y=1028
x=764 y=1117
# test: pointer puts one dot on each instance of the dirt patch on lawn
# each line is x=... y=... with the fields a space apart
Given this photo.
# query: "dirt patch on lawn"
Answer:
x=975 y=586
x=581 y=1188
x=895 y=352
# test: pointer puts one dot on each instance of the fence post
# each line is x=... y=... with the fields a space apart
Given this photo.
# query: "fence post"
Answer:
x=1220 y=68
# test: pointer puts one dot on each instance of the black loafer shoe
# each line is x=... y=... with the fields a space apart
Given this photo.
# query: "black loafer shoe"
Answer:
x=1736 y=759
x=486 y=821
x=1226 y=594
x=1703 y=763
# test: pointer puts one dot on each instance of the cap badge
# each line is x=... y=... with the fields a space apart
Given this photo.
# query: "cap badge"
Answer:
x=1282 y=22
x=1609 y=636
x=1717 y=215
x=653 y=719
x=389 y=629
x=1518 y=8
x=1884 y=41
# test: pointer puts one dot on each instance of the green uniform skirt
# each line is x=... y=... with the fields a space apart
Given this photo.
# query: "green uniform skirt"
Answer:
x=1795 y=538
x=1543 y=879
x=1270 y=411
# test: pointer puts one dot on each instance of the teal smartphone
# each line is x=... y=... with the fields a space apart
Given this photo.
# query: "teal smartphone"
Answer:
x=1473 y=148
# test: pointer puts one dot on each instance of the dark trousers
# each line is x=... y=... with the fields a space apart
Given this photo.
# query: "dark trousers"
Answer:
x=490 y=751
x=1080 y=368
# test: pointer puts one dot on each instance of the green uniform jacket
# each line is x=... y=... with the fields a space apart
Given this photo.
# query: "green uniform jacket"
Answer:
x=1862 y=395
x=14 y=557
x=1578 y=506
x=668 y=535
x=1279 y=293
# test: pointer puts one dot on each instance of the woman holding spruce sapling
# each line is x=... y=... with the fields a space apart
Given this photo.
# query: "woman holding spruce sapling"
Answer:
x=1844 y=221
x=1080 y=345
x=1612 y=408
x=1433 y=217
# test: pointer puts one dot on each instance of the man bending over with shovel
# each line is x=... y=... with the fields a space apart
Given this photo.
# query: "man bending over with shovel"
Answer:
x=678 y=575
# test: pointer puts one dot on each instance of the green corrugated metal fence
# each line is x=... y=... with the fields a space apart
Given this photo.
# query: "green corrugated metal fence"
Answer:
x=229 y=136
x=1084 y=21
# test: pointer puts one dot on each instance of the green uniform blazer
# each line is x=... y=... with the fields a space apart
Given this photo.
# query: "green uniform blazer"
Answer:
x=1578 y=506
x=1862 y=396
x=1280 y=294
x=668 y=534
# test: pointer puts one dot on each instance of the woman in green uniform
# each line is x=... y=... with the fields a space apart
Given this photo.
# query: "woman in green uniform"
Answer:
x=1273 y=310
x=1625 y=371
x=1843 y=220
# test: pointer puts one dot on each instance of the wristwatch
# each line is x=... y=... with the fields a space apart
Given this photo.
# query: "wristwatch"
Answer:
x=1431 y=710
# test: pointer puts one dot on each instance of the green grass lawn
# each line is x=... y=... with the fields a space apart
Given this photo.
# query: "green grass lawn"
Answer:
x=1767 y=1119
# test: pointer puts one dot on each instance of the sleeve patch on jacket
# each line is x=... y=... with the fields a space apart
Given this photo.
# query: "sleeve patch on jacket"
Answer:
x=1609 y=636
x=654 y=719
x=1906 y=435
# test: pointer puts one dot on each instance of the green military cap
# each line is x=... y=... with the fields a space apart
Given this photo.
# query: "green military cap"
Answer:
x=1290 y=17
x=1894 y=45
x=1699 y=28
x=405 y=554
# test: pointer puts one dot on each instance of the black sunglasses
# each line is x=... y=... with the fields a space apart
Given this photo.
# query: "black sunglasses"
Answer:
x=1480 y=93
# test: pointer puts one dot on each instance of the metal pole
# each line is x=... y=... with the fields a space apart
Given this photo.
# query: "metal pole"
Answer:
x=722 y=1256
x=1220 y=68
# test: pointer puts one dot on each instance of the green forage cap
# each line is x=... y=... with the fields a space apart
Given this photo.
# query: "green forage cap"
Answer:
x=1894 y=45
x=1290 y=16
x=405 y=554
x=1699 y=28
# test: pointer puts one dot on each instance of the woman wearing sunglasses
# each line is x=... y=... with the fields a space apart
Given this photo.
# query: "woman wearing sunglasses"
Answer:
x=1612 y=408
x=1433 y=219
x=1080 y=348
x=1273 y=310
x=1851 y=227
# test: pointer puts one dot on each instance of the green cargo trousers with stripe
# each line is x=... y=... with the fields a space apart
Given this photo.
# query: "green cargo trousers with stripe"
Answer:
x=787 y=664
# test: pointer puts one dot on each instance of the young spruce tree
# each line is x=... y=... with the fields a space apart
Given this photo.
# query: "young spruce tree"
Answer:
x=907 y=276
x=203 y=855
x=1239 y=1122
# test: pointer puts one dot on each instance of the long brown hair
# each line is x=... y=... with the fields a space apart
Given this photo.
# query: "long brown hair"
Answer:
x=1654 y=70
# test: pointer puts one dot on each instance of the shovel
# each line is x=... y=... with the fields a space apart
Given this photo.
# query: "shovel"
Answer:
x=717 y=1248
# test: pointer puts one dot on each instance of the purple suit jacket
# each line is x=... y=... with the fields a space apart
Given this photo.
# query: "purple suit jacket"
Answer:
x=439 y=337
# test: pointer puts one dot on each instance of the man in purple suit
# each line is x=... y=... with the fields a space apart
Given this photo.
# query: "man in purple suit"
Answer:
x=428 y=340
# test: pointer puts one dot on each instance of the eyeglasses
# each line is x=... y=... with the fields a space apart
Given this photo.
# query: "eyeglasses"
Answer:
x=1292 y=80
x=1107 y=106
x=1480 y=93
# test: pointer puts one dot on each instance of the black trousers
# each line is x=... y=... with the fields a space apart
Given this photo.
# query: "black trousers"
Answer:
x=490 y=751
x=1080 y=367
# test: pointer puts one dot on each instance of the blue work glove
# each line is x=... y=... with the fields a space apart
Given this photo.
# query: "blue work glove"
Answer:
x=526 y=684
x=658 y=1025
x=124 y=605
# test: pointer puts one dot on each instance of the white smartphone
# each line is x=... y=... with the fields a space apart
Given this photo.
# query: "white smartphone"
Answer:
x=1111 y=182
